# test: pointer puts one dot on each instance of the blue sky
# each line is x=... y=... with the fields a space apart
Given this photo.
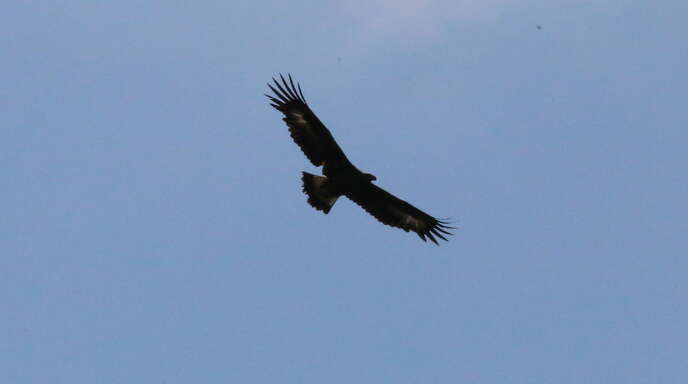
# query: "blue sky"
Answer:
x=153 y=227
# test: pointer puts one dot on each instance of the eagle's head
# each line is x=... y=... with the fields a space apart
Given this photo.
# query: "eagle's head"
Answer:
x=370 y=177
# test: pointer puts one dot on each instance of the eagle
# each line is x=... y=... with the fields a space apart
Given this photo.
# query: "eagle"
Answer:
x=340 y=176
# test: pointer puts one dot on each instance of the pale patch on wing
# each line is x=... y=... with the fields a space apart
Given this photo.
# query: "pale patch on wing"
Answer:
x=411 y=222
x=407 y=221
x=299 y=118
x=301 y=121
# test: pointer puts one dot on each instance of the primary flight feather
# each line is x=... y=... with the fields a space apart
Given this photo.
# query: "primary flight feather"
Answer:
x=340 y=176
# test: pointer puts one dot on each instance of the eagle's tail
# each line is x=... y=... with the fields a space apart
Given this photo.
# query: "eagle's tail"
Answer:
x=318 y=195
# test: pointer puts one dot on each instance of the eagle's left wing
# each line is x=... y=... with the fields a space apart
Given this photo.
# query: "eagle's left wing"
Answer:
x=311 y=135
x=392 y=211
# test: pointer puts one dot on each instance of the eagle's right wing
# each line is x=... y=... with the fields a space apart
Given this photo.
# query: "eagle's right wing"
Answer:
x=393 y=211
x=314 y=139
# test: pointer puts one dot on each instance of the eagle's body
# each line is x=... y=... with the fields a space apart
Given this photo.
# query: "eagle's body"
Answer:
x=341 y=177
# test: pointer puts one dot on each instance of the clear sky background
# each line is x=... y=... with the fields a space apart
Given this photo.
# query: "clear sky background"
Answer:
x=153 y=229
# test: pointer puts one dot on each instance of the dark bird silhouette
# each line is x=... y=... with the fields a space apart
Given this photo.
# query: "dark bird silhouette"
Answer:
x=340 y=176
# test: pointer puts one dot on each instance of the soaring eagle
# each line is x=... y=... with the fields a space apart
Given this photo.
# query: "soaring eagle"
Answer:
x=340 y=176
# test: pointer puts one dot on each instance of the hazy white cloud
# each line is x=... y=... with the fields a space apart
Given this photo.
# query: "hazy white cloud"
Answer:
x=417 y=20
